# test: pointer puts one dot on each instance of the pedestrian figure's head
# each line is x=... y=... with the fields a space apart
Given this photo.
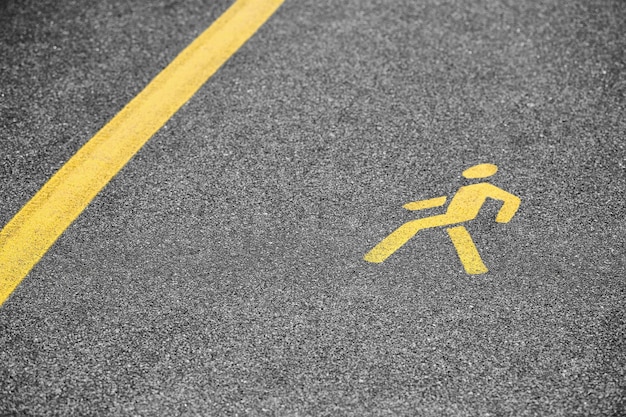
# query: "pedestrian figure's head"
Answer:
x=480 y=171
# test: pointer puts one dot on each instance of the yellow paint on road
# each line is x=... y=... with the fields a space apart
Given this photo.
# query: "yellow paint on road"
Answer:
x=466 y=249
x=29 y=235
x=425 y=204
x=464 y=207
x=480 y=171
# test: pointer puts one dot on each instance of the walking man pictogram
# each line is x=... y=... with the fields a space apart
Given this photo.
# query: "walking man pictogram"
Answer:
x=463 y=207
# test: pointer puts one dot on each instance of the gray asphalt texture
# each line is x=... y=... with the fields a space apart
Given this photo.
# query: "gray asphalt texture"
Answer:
x=221 y=272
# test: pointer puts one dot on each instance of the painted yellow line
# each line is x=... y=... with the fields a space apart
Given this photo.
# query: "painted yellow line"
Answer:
x=29 y=235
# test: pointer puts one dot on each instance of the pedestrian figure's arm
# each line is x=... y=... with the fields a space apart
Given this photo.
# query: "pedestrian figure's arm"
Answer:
x=425 y=204
x=511 y=202
x=509 y=208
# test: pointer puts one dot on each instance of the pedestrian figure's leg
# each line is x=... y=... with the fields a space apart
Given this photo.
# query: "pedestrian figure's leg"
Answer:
x=400 y=236
x=470 y=258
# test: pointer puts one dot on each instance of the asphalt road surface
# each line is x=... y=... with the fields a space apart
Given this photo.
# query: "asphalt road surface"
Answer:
x=221 y=272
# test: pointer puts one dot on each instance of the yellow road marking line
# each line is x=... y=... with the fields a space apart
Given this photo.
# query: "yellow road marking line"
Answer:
x=29 y=235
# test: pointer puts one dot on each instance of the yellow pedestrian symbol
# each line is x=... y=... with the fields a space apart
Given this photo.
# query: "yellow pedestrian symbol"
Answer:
x=463 y=207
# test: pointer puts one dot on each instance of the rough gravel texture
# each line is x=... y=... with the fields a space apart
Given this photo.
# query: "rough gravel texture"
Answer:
x=221 y=272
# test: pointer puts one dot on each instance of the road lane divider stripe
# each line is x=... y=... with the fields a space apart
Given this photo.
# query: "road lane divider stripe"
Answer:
x=35 y=228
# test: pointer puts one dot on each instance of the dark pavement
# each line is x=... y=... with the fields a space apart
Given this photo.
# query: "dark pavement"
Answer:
x=221 y=272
